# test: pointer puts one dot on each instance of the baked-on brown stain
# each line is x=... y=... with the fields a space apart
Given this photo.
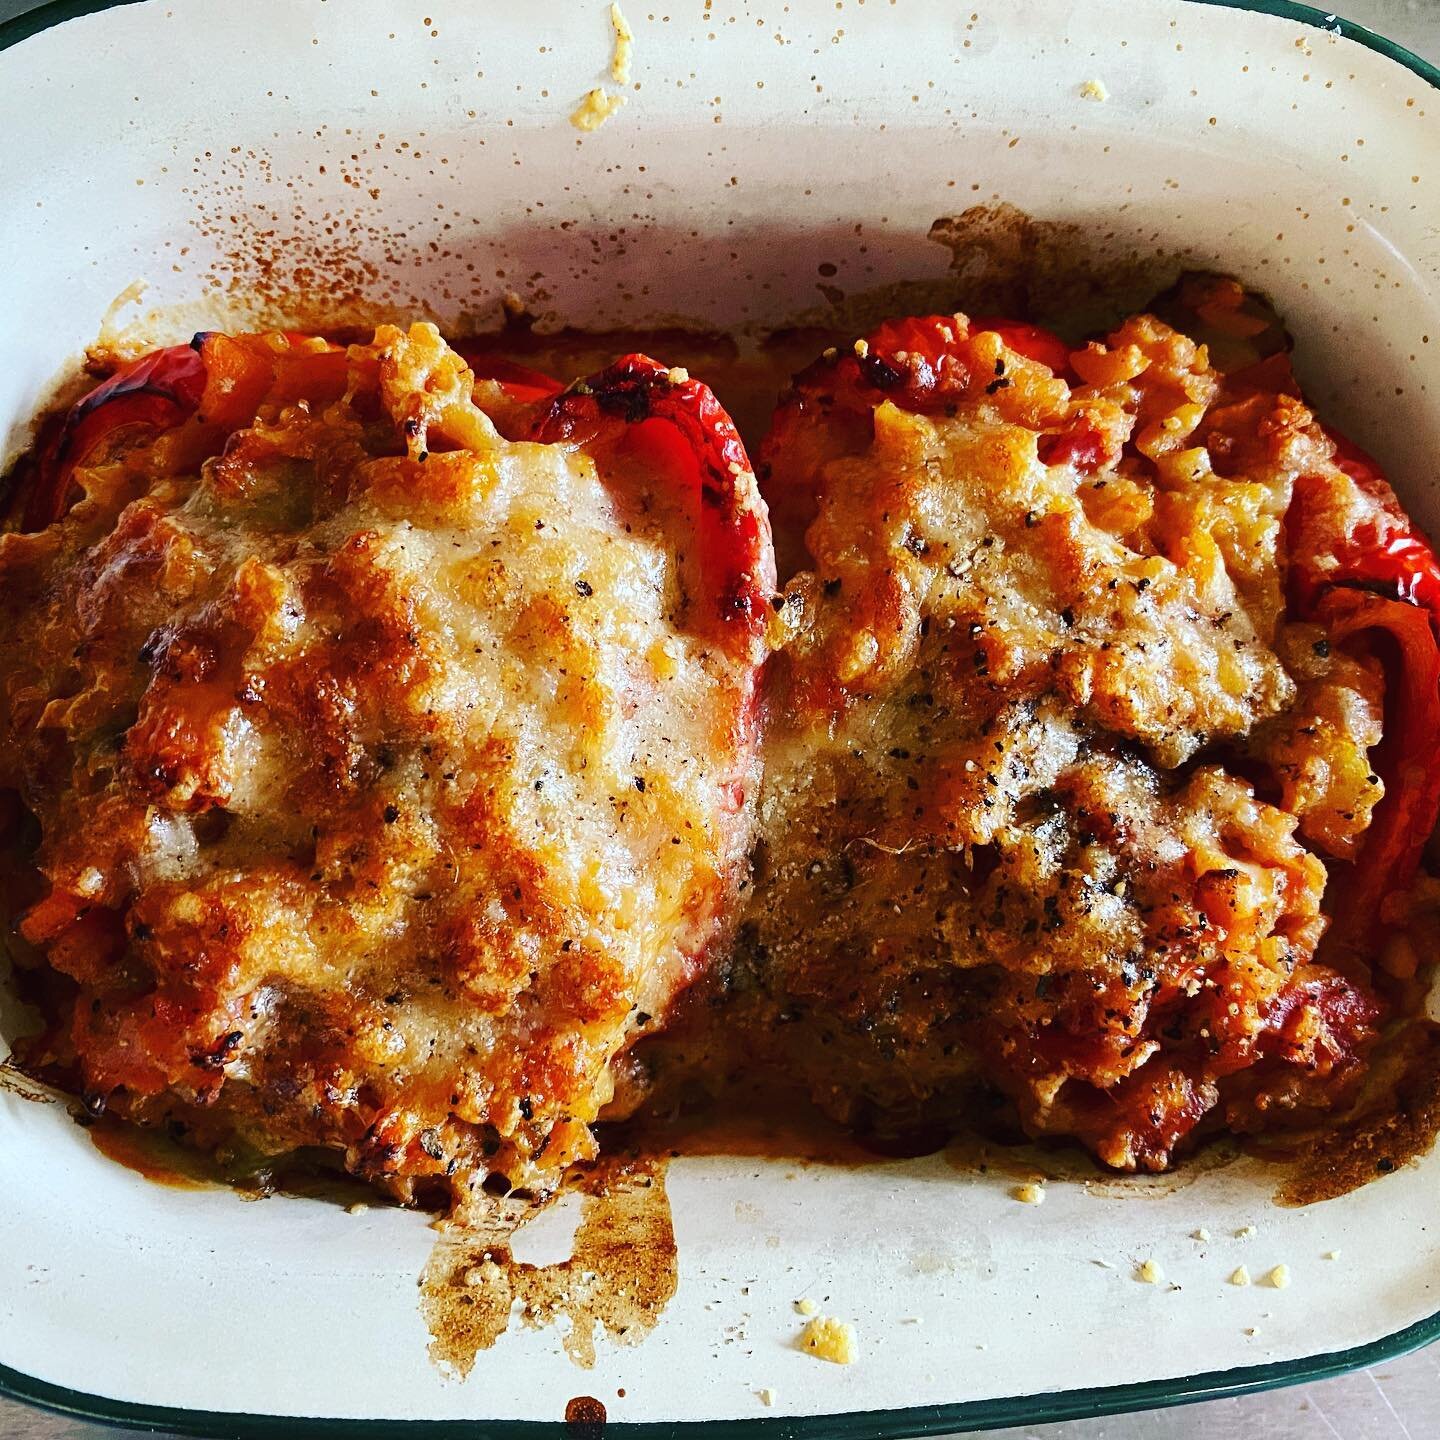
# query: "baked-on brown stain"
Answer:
x=757 y=1117
x=1397 y=1122
x=1078 y=279
x=733 y=1115
x=1028 y=1161
x=16 y=1082
x=620 y=1275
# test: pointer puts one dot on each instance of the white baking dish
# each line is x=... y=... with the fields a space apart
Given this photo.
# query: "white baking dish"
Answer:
x=372 y=157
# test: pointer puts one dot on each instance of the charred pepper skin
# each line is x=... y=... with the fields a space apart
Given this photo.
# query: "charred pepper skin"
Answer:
x=156 y=392
x=914 y=361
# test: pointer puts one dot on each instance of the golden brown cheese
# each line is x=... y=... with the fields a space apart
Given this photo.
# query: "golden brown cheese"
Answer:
x=1010 y=834
x=387 y=790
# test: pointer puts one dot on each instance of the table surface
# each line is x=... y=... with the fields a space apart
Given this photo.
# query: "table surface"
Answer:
x=1400 y=1399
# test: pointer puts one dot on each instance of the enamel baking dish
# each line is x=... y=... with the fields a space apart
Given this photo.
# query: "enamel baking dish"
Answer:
x=297 y=159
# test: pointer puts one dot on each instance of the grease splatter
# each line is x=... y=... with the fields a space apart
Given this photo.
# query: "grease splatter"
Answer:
x=1080 y=277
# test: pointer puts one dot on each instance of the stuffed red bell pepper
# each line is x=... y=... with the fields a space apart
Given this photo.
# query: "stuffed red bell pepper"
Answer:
x=415 y=745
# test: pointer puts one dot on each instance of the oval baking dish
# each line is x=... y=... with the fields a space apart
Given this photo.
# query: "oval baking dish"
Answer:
x=287 y=163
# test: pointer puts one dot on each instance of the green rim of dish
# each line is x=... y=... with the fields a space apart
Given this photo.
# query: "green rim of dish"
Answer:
x=858 y=1425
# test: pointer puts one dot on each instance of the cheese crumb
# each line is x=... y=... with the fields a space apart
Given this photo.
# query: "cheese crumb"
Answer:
x=805 y=1307
x=1332 y=1254
x=767 y=1396
x=677 y=375
x=1150 y=1273
x=486 y=1273
x=830 y=1339
x=1279 y=1277
x=862 y=348
x=1202 y=1234
x=624 y=47
x=1029 y=1193
x=1241 y=1276
x=595 y=109
x=1244 y=1232
x=1094 y=90
x=1252 y=1330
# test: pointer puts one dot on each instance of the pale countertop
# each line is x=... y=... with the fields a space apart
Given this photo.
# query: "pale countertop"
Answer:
x=1400 y=1399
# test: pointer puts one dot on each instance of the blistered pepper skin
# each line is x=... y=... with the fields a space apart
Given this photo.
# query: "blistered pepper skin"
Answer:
x=157 y=391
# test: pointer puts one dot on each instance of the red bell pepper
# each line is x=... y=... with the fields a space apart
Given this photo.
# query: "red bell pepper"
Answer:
x=917 y=361
x=1408 y=759
x=1377 y=585
x=1082 y=446
x=664 y=419
x=1386 y=555
x=156 y=392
